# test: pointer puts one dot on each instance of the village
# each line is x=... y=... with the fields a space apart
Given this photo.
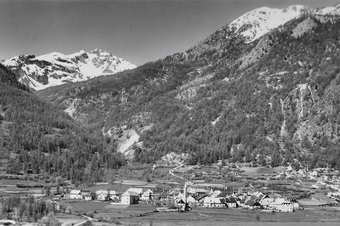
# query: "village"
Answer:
x=208 y=195
x=180 y=188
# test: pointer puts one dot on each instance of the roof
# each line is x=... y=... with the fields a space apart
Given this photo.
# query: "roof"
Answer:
x=102 y=192
x=231 y=199
x=127 y=193
x=112 y=192
x=75 y=192
x=199 y=196
x=212 y=199
x=135 y=190
x=147 y=192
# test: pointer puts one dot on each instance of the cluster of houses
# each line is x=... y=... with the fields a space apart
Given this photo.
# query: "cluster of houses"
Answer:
x=194 y=197
x=322 y=178
x=318 y=174
x=130 y=196
x=249 y=200
x=203 y=196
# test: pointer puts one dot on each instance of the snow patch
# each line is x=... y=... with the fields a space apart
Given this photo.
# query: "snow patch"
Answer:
x=258 y=22
x=329 y=10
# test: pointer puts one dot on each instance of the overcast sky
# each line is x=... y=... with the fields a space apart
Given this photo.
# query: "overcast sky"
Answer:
x=138 y=30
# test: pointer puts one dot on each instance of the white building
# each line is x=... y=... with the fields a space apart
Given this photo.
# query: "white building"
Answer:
x=86 y=195
x=279 y=204
x=213 y=202
x=189 y=199
x=129 y=198
x=113 y=195
x=102 y=195
x=75 y=194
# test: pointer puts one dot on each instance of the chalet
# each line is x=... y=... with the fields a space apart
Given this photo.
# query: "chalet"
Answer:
x=75 y=194
x=251 y=202
x=189 y=199
x=199 y=197
x=102 y=195
x=86 y=195
x=279 y=204
x=129 y=198
x=213 y=202
x=113 y=196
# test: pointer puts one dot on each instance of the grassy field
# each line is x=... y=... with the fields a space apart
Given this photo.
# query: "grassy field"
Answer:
x=144 y=215
x=8 y=187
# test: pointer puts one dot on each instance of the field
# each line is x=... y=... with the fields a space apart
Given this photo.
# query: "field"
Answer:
x=9 y=187
x=145 y=215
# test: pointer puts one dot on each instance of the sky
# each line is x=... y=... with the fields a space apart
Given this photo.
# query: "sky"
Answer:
x=137 y=30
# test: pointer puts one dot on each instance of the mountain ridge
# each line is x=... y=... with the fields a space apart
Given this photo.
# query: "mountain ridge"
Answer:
x=40 y=72
x=226 y=98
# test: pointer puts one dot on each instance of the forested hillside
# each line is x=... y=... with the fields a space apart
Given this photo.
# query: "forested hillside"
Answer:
x=37 y=137
x=272 y=101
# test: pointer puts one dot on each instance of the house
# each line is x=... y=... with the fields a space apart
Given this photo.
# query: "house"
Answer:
x=138 y=191
x=296 y=205
x=102 y=195
x=266 y=201
x=86 y=195
x=252 y=202
x=199 y=197
x=213 y=202
x=75 y=194
x=182 y=206
x=113 y=196
x=129 y=198
x=189 y=199
x=279 y=204
x=286 y=207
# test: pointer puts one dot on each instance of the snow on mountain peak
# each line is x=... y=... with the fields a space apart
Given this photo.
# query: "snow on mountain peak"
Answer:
x=256 y=23
x=40 y=72
x=329 y=10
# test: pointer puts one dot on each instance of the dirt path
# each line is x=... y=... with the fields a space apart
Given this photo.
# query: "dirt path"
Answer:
x=171 y=172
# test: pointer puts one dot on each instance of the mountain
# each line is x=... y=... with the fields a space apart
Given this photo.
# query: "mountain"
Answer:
x=264 y=91
x=38 y=137
x=40 y=72
x=258 y=22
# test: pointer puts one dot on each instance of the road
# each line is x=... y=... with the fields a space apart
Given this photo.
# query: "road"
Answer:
x=171 y=172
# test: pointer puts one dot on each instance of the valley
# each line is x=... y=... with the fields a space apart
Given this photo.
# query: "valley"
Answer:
x=243 y=127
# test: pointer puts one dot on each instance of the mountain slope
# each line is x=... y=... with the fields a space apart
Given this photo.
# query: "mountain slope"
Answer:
x=38 y=137
x=274 y=100
x=40 y=72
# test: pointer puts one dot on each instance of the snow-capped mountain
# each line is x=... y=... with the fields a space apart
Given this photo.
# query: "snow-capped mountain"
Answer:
x=329 y=10
x=260 y=21
x=52 y=69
